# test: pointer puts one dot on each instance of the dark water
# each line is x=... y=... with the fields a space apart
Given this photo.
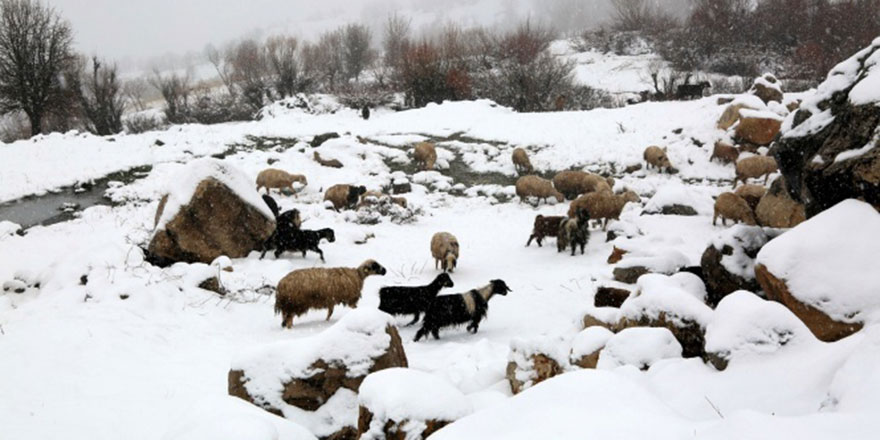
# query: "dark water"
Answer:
x=63 y=205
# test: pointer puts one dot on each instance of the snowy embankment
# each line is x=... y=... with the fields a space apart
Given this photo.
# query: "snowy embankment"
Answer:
x=101 y=345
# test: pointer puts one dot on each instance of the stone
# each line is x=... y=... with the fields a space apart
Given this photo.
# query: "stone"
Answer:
x=616 y=255
x=728 y=263
x=319 y=140
x=542 y=366
x=766 y=87
x=629 y=275
x=731 y=115
x=610 y=297
x=215 y=221
x=757 y=128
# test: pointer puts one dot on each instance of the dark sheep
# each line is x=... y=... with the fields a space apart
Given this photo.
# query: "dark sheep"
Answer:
x=412 y=300
x=300 y=240
x=575 y=232
x=689 y=91
x=451 y=310
x=545 y=227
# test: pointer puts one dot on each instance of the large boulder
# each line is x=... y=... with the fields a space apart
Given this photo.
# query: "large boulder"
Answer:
x=746 y=326
x=731 y=113
x=406 y=404
x=314 y=380
x=826 y=269
x=729 y=262
x=586 y=346
x=767 y=88
x=673 y=302
x=757 y=127
x=533 y=361
x=777 y=209
x=828 y=150
x=637 y=264
x=212 y=209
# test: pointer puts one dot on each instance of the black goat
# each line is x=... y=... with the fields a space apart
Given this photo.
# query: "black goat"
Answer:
x=689 y=91
x=298 y=240
x=469 y=307
x=406 y=300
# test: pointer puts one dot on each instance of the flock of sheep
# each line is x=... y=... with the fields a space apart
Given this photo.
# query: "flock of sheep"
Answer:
x=592 y=198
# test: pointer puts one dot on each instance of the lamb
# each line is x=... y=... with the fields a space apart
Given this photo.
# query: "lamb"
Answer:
x=300 y=240
x=754 y=167
x=600 y=206
x=278 y=179
x=469 y=307
x=656 y=156
x=445 y=249
x=751 y=194
x=731 y=206
x=545 y=227
x=574 y=232
x=521 y=161
x=534 y=186
x=321 y=288
x=724 y=152
x=404 y=300
x=332 y=163
x=344 y=196
x=425 y=155
x=574 y=183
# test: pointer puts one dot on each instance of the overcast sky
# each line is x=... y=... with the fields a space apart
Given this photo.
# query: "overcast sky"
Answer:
x=145 y=28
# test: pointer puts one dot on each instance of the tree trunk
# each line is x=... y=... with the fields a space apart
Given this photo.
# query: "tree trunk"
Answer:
x=36 y=121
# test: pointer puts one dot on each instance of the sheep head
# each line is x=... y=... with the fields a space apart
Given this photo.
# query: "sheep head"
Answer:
x=370 y=267
x=444 y=280
x=499 y=287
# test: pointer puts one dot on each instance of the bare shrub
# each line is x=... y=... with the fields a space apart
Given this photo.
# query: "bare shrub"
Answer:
x=175 y=90
x=357 y=53
x=101 y=99
x=142 y=122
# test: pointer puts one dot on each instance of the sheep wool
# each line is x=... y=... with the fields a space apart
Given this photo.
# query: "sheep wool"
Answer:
x=754 y=167
x=273 y=178
x=321 y=288
x=534 y=186
x=733 y=207
x=425 y=155
x=656 y=156
x=445 y=250
x=521 y=161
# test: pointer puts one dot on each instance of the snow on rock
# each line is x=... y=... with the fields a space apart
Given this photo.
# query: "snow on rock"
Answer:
x=184 y=184
x=679 y=199
x=587 y=344
x=577 y=405
x=746 y=326
x=301 y=103
x=7 y=229
x=640 y=347
x=533 y=361
x=313 y=380
x=854 y=386
x=729 y=262
x=404 y=401
x=229 y=418
x=662 y=301
x=826 y=269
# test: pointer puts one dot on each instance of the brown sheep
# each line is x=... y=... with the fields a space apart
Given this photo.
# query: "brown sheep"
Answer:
x=278 y=179
x=751 y=194
x=332 y=163
x=754 y=167
x=521 y=161
x=344 y=196
x=373 y=197
x=777 y=209
x=545 y=227
x=631 y=196
x=321 y=288
x=425 y=155
x=731 y=206
x=574 y=183
x=534 y=186
x=725 y=153
x=601 y=206
x=656 y=156
x=445 y=250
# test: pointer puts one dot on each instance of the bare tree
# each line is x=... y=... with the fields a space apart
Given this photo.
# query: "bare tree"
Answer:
x=135 y=92
x=324 y=60
x=397 y=39
x=358 y=55
x=283 y=61
x=249 y=71
x=101 y=99
x=175 y=90
x=35 y=49
x=631 y=15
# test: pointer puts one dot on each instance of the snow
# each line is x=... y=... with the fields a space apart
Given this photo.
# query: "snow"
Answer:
x=852 y=154
x=8 y=228
x=740 y=237
x=401 y=394
x=679 y=194
x=867 y=91
x=661 y=294
x=230 y=418
x=589 y=341
x=759 y=114
x=745 y=326
x=835 y=272
x=183 y=185
x=640 y=347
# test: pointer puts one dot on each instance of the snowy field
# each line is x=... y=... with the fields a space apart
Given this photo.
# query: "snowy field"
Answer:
x=134 y=351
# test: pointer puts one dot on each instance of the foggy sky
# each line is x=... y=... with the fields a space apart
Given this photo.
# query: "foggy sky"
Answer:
x=139 y=29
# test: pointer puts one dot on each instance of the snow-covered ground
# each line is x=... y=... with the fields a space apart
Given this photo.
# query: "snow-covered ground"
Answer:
x=108 y=346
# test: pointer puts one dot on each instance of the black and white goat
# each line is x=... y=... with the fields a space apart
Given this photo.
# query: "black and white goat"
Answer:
x=468 y=307
x=412 y=300
x=298 y=240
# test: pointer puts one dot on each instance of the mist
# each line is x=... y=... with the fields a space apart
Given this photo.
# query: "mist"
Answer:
x=140 y=32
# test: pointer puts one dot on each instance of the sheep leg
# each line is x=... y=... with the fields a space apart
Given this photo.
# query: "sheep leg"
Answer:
x=714 y=218
x=766 y=176
x=320 y=252
x=604 y=223
x=436 y=333
x=723 y=221
x=415 y=320
x=329 y=313
x=287 y=322
x=278 y=252
x=420 y=333
x=531 y=237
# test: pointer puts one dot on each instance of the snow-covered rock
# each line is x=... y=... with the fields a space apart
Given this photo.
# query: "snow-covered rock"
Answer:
x=767 y=88
x=777 y=209
x=535 y=360
x=586 y=346
x=210 y=209
x=729 y=262
x=228 y=418
x=826 y=271
x=640 y=347
x=313 y=381
x=407 y=403
x=678 y=199
x=746 y=326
